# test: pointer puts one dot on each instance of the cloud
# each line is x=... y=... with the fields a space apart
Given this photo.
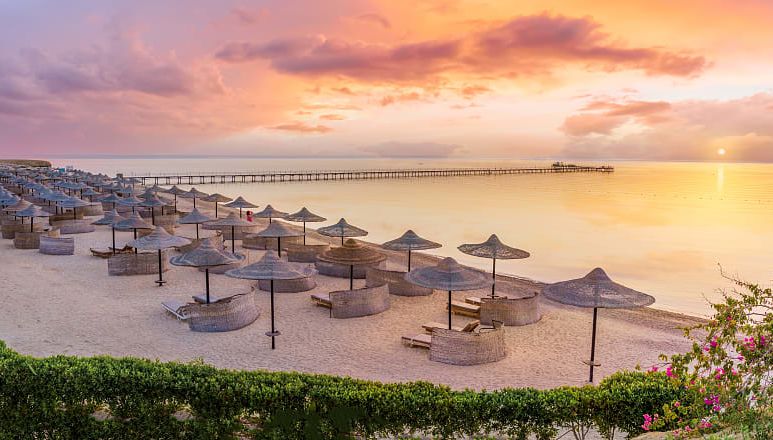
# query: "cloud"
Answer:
x=679 y=130
x=403 y=97
x=470 y=92
x=374 y=18
x=526 y=45
x=249 y=17
x=300 y=127
x=332 y=117
x=411 y=149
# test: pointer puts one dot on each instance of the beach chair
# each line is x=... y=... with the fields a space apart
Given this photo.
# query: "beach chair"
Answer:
x=465 y=309
x=429 y=326
x=173 y=307
x=474 y=300
x=322 y=300
x=424 y=340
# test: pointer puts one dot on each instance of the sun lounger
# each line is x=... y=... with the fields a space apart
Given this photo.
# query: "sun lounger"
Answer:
x=322 y=299
x=474 y=300
x=422 y=340
x=108 y=252
x=173 y=307
x=429 y=326
x=466 y=309
x=202 y=298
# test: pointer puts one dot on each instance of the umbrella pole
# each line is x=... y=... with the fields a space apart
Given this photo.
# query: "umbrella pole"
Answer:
x=206 y=272
x=493 y=276
x=175 y=203
x=216 y=210
x=593 y=344
x=194 y=203
x=342 y=240
x=304 y=233
x=153 y=215
x=32 y=224
x=273 y=333
x=75 y=213
x=240 y=212
x=160 y=280
x=197 y=231
x=409 y=259
x=113 y=228
x=279 y=246
x=351 y=277
x=233 y=240
x=449 y=310
x=269 y=220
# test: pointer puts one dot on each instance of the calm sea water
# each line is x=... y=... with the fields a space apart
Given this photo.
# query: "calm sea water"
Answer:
x=662 y=228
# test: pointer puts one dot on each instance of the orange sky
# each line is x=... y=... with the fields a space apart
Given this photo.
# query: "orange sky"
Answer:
x=638 y=79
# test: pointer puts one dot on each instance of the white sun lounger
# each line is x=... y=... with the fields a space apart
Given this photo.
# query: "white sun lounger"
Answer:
x=173 y=307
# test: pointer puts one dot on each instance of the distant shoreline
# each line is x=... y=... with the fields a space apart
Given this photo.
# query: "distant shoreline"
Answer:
x=26 y=162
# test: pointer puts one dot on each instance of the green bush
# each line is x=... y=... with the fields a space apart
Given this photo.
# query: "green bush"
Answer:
x=65 y=397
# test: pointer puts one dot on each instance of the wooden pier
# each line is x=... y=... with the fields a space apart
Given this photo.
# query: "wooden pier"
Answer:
x=309 y=176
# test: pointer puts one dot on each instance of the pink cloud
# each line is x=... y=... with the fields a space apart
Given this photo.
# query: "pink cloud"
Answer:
x=603 y=116
x=300 y=127
x=374 y=18
x=249 y=17
x=332 y=117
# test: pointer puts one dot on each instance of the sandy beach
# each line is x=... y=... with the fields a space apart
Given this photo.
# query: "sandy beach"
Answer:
x=69 y=305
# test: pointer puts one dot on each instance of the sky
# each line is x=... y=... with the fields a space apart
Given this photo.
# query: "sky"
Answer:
x=585 y=79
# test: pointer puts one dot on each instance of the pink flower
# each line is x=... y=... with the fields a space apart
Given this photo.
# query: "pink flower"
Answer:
x=762 y=340
x=670 y=372
x=653 y=369
x=713 y=343
x=677 y=404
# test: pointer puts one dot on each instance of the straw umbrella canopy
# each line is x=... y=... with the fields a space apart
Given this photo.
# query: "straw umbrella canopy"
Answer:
x=269 y=212
x=352 y=254
x=90 y=193
x=493 y=249
x=152 y=202
x=194 y=218
x=304 y=215
x=73 y=203
x=110 y=218
x=271 y=267
x=112 y=198
x=32 y=211
x=133 y=222
x=596 y=290
x=175 y=191
x=17 y=205
x=56 y=197
x=216 y=198
x=410 y=241
x=159 y=240
x=278 y=230
x=194 y=194
x=155 y=189
x=132 y=201
x=206 y=255
x=342 y=229
x=233 y=221
x=8 y=199
x=240 y=203
x=450 y=276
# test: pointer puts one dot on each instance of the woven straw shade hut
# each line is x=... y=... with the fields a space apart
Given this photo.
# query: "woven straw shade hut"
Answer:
x=194 y=218
x=269 y=212
x=342 y=229
x=217 y=199
x=133 y=222
x=240 y=203
x=596 y=290
x=90 y=193
x=450 y=276
x=158 y=240
x=207 y=256
x=271 y=267
x=32 y=211
x=410 y=241
x=152 y=201
x=194 y=194
x=132 y=201
x=305 y=216
x=155 y=189
x=112 y=198
x=233 y=221
x=73 y=203
x=493 y=249
x=110 y=218
x=278 y=230
x=18 y=206
x=352 y=254
x=175 y=191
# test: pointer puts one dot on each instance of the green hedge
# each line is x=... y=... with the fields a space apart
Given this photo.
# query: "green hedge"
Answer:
x=64 y=397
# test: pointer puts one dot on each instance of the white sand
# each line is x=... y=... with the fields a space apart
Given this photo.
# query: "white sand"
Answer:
x=69 y=305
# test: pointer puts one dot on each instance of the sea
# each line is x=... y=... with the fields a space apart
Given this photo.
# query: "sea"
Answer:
x=678 y=231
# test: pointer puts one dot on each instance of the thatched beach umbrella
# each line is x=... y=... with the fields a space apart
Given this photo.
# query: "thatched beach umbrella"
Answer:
x=271 y=267
x=32 y=211
x=450 y=276
x=110 y=218
x=240 y=203
x=90 y=193
x=193 y=194
x=57 y=197
x=352 y=254
x=159 y=240
x=305 y=216
x=18 y=206
x=175 y=191
x=133 y=222
x=152 y=201
x=269 y=212
x=206 y=255
x=132 y=201
x=73 y=203
x=112 y=198
x=493 y=249
x=278 y=230
x=596 y=290
x=342 y=229
x=233 y=221
x=217 y=199
x=194 y=218
x=410 y=241
x=155 y=189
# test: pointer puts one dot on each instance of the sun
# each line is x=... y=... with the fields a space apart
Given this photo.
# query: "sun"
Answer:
x=721 y=151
